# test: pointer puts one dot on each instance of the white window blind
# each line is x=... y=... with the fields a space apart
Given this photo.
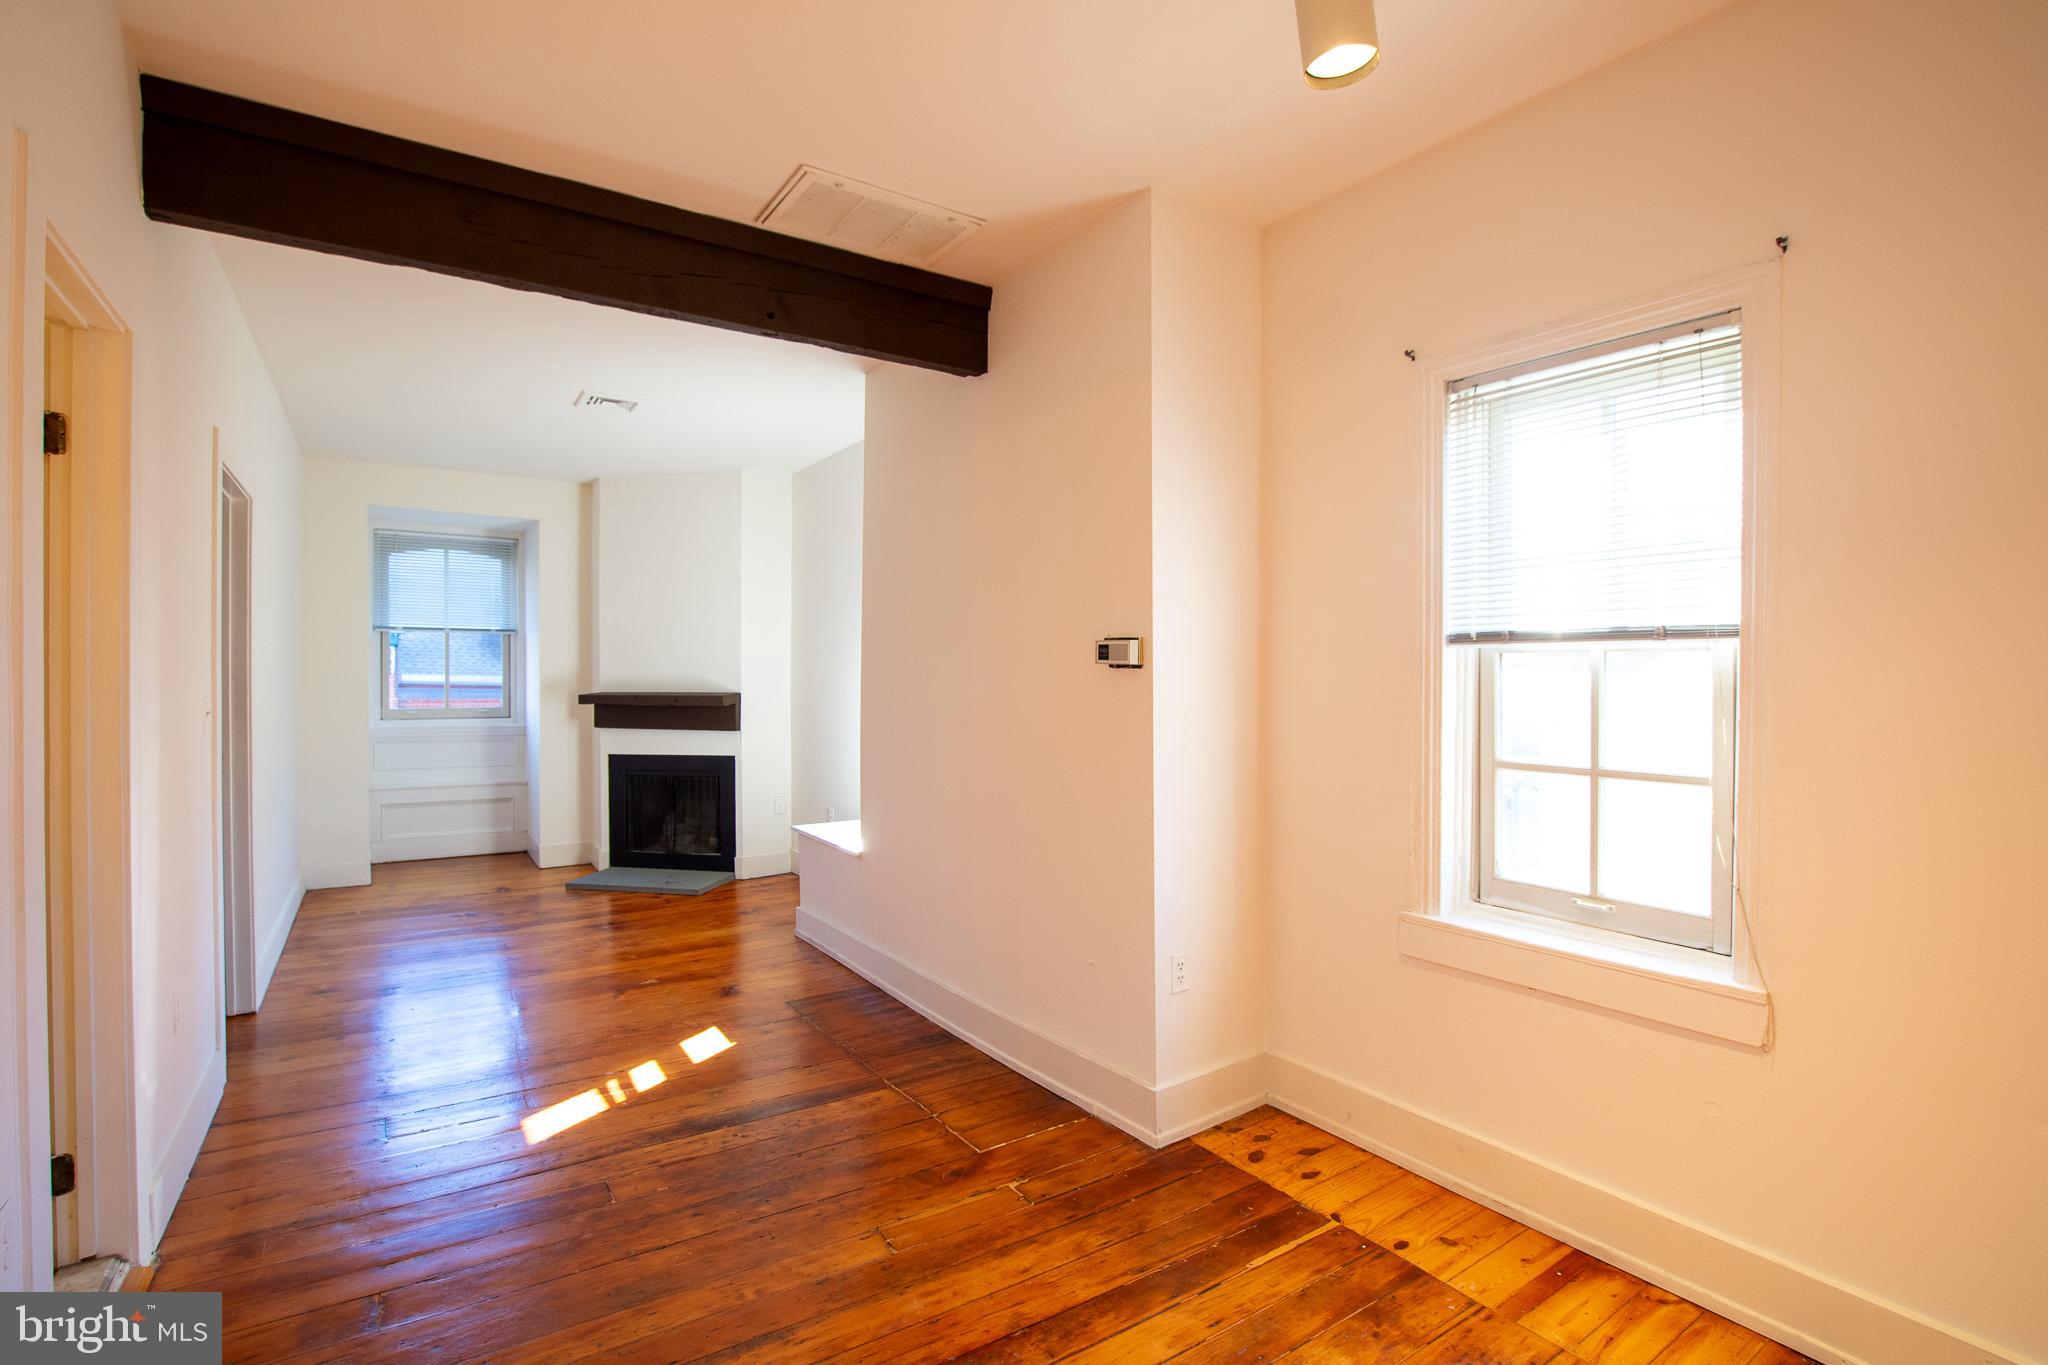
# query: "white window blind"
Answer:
x=439 y=582
x=1598 y=494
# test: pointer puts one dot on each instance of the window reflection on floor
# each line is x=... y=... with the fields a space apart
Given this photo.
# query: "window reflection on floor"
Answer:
x=432 y=989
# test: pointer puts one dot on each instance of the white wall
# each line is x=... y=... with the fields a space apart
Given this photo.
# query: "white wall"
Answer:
x=1042 y=834
x=339 y=767
x=1006 y=777
x=67 y=102
x=268 y=468
x=824 y=720
x=1205 y=656
x=1889 y=1142
x=764 y=597
x=691 y=593
x=666 y=563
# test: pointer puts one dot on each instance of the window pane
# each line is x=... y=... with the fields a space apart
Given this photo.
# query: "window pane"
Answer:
x=1656 y=844
x=476 y=670
x=479 y=587
x=1603 y=490
x=437 y=582
x=1546 y=708
x=415 y=587
x=414 y=663
x=1542 y=829
x=1657 y=711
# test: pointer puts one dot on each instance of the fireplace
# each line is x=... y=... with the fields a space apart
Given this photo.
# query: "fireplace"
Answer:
x=675 y=811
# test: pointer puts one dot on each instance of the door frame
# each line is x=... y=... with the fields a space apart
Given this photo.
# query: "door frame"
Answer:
x=234 y=868
x=111 y=1216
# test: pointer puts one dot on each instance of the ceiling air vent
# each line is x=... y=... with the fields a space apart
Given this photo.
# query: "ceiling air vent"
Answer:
x=841 y=211
x=612 y=402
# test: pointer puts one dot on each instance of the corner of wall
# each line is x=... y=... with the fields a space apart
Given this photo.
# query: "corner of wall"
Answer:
x=179 y=1150
x=272 y=949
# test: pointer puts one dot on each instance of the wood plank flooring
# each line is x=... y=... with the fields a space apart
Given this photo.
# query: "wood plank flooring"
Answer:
x=844 y=1182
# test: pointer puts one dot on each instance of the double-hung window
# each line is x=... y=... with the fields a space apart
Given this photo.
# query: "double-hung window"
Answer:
x=1592 y=607
x=445 y=609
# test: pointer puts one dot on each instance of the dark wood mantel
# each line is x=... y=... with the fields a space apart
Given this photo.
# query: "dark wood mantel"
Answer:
x=664 y=710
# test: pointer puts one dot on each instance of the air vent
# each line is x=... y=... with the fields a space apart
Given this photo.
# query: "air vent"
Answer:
x=613 y=402
x=841 y=211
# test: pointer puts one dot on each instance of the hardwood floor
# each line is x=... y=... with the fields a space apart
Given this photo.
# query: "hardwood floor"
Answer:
x=844 y=1182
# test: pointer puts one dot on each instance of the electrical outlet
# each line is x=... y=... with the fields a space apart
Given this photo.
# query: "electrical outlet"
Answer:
x=831 y=812
x=782 y=805
x=1177 y=972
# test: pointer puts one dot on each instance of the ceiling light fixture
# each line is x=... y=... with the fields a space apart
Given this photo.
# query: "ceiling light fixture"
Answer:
x=1340 y=43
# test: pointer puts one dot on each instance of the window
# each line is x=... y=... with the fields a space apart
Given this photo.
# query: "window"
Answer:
x=1592 y=595
x=446 y=612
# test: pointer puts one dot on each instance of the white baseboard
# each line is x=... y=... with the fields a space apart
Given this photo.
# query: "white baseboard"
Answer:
x=560 y=855
x=1154 y=1116
x=268 y=953
x=320 y=876
x=760 y=865
x=174 y=1166
x=1102 y=1089
x=1187 y=1107
x=1799 y=1306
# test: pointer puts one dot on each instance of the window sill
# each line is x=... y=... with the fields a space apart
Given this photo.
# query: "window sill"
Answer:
x=843 y=835
x=1686 y=989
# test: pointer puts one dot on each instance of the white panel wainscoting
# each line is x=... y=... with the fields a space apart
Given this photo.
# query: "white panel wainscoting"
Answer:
x=446 y=790
x=437 y=755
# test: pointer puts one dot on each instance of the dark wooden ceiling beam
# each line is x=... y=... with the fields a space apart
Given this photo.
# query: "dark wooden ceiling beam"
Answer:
x=230 y=165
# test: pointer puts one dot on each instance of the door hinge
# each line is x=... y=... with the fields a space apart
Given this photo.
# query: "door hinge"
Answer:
x=63 y=1174
x=56 y=433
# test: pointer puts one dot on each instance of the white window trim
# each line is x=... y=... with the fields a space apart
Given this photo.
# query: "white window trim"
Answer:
x=1697 y=990
x=512 y=719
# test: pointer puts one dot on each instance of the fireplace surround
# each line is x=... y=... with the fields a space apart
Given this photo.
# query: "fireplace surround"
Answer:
x=673 y=811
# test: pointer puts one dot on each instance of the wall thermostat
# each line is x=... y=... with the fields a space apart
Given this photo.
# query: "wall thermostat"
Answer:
x=1121 y=651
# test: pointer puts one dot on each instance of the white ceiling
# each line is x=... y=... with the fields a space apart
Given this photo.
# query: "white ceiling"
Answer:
x=1031 y=113
x=1034 y=114
x=377 y=362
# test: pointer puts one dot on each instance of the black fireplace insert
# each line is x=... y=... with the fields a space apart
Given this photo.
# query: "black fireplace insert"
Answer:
x=672 y=811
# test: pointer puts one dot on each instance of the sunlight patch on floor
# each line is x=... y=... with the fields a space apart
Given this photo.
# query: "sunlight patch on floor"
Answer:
x=543 y=1124
x=700 y=1047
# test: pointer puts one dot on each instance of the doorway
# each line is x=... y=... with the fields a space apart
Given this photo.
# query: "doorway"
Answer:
x=236 y=873
x=62 y=782
x=96 y=1208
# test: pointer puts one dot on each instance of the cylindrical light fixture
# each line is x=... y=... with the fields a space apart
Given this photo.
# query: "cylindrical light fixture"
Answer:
x=1340 y=43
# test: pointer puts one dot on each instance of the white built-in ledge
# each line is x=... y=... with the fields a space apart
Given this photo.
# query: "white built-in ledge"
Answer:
x=843 y=835
x=1683 y=988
